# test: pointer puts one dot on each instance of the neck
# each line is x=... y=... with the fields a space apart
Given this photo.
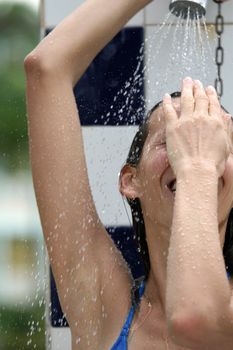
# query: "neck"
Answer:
x=158 y=243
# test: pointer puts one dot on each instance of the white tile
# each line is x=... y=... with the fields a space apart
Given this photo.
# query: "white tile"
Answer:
x=56 y=10
x=106 y=150
x=157 y=10
x=60 y=339
x=137 y=20
x=227 y=10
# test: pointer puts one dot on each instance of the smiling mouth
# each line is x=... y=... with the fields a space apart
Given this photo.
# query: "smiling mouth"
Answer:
x=172 y=186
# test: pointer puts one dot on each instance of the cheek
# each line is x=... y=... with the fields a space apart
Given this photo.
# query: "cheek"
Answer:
x=228 y=173
x=159 y=162
x=226 y=195
x=154 y=164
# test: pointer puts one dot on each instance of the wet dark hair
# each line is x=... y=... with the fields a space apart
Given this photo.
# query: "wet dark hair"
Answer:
x=133 y=159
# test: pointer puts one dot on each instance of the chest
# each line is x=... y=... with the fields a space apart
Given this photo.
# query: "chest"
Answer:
x=152 y=336
x=153 y=343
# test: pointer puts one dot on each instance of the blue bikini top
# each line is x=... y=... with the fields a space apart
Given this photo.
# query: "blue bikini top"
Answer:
x=121 y=342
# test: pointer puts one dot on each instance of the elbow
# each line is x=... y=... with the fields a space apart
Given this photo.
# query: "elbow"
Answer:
x=187 y=330
x=36 y=64
x=30 y=62
x=41 y=60
x=40 y=67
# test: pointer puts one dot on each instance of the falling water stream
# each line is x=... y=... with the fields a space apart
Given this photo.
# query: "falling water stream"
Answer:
x=176 y=48
x=183 y=48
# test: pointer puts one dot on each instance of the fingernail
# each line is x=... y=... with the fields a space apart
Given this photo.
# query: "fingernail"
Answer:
x=167 y=96
x=198 y=83
x=188 y=80
x=211 y=89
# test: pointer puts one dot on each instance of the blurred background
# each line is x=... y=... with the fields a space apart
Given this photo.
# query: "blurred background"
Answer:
x=22 y=286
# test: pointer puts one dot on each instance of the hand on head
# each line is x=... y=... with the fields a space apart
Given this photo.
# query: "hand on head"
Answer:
x=202 y=133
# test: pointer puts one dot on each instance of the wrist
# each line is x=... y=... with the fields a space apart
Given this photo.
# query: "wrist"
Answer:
x=197 y=168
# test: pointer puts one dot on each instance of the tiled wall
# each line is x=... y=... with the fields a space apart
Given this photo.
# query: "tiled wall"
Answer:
x=107 y=137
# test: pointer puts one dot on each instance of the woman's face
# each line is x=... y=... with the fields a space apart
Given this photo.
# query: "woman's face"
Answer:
x=156 y=176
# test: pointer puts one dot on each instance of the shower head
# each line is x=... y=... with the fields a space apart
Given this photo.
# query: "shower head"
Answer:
x=185 y=8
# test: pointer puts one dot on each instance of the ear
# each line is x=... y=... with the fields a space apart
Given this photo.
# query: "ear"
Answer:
x=128 y=182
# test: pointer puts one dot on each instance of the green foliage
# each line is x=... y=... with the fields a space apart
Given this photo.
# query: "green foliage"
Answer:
x=19 y=34
x=22 y=328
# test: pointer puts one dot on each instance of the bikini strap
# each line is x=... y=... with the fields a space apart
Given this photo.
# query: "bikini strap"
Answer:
x=127 y=325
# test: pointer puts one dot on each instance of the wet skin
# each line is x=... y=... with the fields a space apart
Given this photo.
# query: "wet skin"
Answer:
x=155 y=174
x=151 y=182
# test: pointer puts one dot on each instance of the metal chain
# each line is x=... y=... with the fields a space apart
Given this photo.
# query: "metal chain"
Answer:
x=219 y=58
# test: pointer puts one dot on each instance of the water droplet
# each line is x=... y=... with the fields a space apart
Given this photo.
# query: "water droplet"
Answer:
x=78 y=340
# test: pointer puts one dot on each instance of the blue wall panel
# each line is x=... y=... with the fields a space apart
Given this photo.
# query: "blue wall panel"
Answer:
x=106 y=76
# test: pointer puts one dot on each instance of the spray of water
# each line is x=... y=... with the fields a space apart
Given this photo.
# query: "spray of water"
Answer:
x=177 y=48
x=182 y=49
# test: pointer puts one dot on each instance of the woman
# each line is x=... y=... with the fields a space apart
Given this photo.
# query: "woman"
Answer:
x=186 y=303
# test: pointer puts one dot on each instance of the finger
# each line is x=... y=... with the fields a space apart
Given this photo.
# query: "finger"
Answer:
x=229 y=128
x=226 y=121
x=169 y=110
x=201 y=99
x=214 y=105
x=187 y=99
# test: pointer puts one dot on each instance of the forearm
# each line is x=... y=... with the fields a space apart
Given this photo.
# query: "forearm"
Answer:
x=80 y=37
x=196 y=277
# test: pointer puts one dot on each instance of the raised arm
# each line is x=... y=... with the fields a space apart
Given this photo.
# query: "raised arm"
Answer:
x=75 y=238
x=72 y=45
x=198 y=292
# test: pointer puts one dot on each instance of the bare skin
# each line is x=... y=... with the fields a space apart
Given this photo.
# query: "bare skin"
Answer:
x=158 y=207
x=89 y=271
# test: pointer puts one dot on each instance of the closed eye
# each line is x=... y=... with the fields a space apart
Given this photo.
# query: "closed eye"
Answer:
x=157 y=141
x=161 y=144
